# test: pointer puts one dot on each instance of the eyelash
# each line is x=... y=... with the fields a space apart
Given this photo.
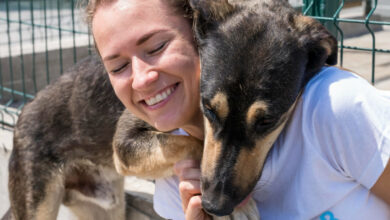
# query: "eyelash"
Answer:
x=159 y=48
x=119 y=69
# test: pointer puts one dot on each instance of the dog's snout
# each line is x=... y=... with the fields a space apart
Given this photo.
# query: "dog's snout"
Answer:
x=217 y=208
x=217 y=198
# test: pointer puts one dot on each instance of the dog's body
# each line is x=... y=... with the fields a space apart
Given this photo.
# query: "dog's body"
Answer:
x=256 y=56
x=62 y=149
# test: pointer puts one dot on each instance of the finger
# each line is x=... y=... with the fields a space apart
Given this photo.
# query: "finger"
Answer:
x=195 y=211
x=183 y=164
x=187 y=190
x=189 y=174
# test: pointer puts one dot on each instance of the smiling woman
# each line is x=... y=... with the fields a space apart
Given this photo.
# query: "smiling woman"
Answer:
x=152 y=62
x=320 y=164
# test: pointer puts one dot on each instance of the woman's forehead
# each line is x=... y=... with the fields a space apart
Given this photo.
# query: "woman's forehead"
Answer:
x=126 y=21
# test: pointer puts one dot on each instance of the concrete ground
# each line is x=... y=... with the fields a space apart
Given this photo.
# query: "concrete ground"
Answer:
x=357 y=61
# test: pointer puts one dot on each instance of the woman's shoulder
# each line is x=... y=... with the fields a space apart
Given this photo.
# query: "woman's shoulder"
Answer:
x=335 y=82
x=338 y=91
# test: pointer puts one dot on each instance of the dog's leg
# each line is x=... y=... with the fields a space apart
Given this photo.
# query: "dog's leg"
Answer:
x=247 y=212
x=95 y=193
x=140 y=150
x=34 y=195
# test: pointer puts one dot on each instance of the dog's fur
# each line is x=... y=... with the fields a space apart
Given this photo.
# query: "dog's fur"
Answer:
x=256 y=57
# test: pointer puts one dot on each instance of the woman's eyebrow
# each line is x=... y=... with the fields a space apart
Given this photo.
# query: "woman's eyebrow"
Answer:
x=147 y=37
x=111 y=57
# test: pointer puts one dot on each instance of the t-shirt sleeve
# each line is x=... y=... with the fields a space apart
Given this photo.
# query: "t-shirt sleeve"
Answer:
x=166 y=199
x=350 y=120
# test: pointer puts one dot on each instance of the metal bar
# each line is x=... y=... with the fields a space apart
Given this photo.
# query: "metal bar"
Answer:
x=335 y=16
x=308 y=7
x=10 y=51
x=366 y=49
x=74 y=36
x=351 y=20
x=46 y=43
x=44 y=25
x=89 y=41
x=2 y=120
x=30 y=96
x=33 y=47
x=59 y=34
x=21 y=52
x=373 y=42
x=1 y=79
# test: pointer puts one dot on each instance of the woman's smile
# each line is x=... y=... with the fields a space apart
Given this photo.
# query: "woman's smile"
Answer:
x=161 y=98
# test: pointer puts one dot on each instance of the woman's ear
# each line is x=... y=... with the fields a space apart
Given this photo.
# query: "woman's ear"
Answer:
x=321 y=45
x=208 y=13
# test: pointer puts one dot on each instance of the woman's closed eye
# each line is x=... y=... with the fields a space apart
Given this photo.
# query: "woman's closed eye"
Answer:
x=120 y=68
x=158 y=48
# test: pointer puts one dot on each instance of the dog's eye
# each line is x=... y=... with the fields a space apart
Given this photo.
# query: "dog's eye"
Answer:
x=264 y=123
x=209 y=113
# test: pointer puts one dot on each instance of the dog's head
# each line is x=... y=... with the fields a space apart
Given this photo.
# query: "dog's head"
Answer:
x=256 y=57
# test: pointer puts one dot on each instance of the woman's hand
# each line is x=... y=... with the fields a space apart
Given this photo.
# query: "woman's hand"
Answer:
x=188 y=172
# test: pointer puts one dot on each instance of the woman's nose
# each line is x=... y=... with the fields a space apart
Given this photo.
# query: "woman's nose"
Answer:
x=143 y=74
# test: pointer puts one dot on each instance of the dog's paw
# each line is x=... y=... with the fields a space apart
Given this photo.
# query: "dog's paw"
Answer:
x=247 y=212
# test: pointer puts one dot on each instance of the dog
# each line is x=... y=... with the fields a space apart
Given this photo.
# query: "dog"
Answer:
x=256 y=58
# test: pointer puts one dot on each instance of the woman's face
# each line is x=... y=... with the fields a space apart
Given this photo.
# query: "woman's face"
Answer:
x=153 y=65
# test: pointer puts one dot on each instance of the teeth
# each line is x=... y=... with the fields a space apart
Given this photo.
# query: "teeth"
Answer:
x=159 y=97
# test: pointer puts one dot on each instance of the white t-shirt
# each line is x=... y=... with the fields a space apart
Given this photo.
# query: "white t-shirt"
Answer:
x=331 y=152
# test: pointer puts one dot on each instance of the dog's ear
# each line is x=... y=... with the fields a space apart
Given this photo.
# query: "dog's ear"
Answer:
x=208 y=13
x=319 y=43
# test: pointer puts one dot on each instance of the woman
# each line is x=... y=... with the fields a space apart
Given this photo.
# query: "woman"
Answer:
x=154 y=69
x=149 y=52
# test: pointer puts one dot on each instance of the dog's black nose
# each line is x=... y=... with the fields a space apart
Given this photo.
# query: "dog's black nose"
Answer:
x=216 y=209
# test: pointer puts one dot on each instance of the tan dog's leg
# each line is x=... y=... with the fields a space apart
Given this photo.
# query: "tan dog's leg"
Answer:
x=48 y=208
x=140 y=150
x=35 y=189
x=99 y=196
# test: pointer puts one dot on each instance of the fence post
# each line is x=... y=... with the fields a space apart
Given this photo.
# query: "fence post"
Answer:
x=323 y=8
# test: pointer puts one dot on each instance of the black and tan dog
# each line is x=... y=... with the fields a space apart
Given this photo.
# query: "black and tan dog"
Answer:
x=256 y=58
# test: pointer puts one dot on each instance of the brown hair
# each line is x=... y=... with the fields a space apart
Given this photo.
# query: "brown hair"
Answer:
x=180 y=7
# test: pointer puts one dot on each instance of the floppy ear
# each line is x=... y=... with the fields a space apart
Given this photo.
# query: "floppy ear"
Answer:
x=321 y=45
x=207 y=13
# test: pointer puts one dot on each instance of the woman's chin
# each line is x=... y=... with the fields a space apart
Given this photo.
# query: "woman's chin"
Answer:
x=165 y=125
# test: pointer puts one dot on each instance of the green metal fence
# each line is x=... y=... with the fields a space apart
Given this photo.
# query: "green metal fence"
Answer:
x=40 y=39
x=328 y=13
